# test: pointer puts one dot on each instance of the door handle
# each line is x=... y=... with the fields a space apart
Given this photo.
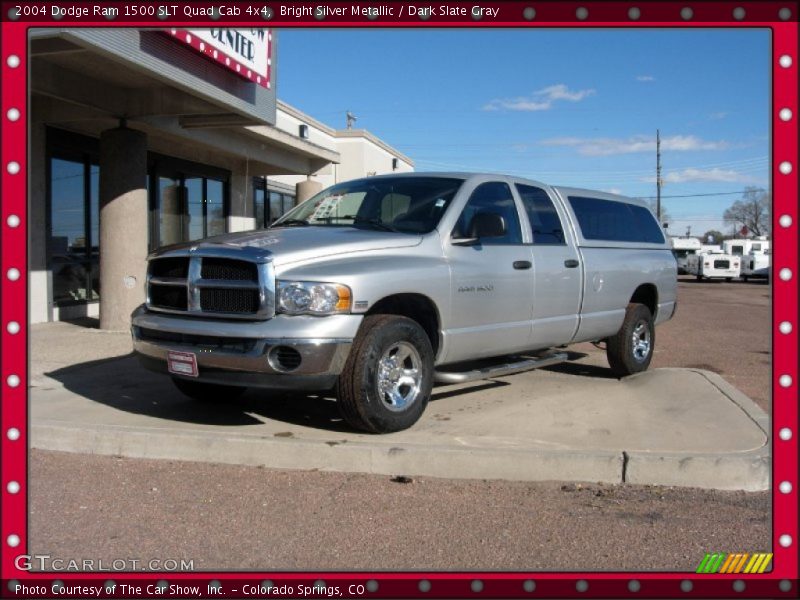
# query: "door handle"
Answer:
x=571 y=263
x=522 y=264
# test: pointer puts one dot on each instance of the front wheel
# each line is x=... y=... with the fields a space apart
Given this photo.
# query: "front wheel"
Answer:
x=207 y=392
x=631 y=349
x=387 y=380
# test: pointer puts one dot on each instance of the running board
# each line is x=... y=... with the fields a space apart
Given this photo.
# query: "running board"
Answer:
x=500 y=370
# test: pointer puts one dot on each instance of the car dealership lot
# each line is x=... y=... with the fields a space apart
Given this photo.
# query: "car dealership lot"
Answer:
x=722 y=328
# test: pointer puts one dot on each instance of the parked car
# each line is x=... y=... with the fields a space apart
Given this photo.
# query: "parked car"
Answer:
x=379 y=287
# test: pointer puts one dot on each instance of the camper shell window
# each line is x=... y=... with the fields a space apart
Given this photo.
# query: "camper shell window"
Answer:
x=613 y=221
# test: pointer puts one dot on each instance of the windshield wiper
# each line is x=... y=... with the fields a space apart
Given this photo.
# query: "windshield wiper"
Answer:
x=374 y=223
x=291 y=223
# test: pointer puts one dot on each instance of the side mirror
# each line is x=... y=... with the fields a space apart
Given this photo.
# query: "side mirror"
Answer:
x=487 y=225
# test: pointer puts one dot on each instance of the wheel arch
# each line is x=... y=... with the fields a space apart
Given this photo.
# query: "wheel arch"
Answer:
x=646 y=294
x=417 y=307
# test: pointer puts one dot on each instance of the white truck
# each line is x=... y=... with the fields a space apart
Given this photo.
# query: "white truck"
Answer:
x=682 y=249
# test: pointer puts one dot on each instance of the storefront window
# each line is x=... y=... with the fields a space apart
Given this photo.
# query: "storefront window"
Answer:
x=269 y=205
x=73 y=240
x=215 y=207
x=170 y=222
x=186 y=202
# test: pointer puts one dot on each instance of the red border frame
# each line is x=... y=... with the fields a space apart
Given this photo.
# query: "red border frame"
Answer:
x=14 y=303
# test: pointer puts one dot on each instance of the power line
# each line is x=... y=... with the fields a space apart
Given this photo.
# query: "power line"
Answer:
x=696 y=195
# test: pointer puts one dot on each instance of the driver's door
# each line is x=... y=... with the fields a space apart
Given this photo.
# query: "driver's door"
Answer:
x=491 y=280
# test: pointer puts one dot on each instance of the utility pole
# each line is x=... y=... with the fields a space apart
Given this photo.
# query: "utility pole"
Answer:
x=658 y=175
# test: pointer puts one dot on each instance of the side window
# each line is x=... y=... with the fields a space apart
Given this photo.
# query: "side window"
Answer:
x=491 y=197
x=545 y=222
x=614 y=221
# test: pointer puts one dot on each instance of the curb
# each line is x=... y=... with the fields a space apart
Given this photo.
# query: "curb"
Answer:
x=382 y=459
x=749 y=471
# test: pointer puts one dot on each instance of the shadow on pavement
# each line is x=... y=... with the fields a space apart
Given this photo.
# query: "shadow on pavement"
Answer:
x=123 y=384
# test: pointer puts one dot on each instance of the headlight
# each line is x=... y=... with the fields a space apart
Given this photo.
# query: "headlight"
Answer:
x=313 y=298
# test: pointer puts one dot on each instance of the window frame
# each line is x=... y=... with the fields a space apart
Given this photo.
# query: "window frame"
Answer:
x=454 y=233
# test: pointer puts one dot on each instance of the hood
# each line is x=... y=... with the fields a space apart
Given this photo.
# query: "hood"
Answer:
x=294 y=244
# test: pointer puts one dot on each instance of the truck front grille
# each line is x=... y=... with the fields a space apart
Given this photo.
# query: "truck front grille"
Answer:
x=228 y=301
x=212 y=285
x=228 y=344
x=170 y=267
x=722 y=264
x=169 y=297
x=228 y=270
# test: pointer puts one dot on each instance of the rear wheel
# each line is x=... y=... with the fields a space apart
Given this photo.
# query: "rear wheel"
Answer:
x=208 y=392
x=631 y=349
x=387 y=379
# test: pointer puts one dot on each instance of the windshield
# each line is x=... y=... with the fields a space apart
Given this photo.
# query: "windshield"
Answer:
x=399 y=204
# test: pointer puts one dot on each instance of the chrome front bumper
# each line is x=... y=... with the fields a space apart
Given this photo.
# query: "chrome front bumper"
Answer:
x=323 y=344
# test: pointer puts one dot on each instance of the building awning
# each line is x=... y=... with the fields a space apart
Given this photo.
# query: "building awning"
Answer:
x=86 y=80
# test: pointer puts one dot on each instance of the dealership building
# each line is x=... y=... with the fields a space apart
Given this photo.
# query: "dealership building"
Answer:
x=143 y=138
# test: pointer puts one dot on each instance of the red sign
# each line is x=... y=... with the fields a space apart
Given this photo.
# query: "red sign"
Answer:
x=246 y=52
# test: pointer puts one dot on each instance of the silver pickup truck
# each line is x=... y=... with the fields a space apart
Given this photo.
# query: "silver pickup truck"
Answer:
x=379 y=287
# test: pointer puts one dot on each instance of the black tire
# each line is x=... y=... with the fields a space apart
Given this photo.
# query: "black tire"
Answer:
x=729 y=279
x=744 y=278
x=373 y=363
x=208 y=392
x=699 y=278
x=624 y=356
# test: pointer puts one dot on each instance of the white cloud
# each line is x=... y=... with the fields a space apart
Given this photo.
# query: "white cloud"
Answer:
x=719 y=115
x=645 y=78
x=634 y=144
x=540 y=100
x=715 y=175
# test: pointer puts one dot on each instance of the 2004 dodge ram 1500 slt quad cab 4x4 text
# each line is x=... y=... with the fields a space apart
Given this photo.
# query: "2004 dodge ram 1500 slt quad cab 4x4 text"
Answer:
x=379 y=287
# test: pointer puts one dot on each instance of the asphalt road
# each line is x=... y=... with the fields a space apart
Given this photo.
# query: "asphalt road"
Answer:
x=229 y=517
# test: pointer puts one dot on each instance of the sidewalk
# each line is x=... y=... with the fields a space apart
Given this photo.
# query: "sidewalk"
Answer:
x=571 y=422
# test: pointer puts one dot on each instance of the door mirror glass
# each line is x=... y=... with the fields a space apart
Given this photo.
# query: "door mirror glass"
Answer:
x=487 y=225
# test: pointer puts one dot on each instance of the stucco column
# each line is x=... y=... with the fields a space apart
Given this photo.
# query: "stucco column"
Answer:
x=305 y=189
x=123 y=225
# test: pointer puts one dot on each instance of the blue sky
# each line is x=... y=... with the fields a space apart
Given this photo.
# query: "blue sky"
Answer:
x=564 y=106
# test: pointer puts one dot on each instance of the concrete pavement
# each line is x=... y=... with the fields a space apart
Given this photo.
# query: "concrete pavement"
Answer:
x=572 y=422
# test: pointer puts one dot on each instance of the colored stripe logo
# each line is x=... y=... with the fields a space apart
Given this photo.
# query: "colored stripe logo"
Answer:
x=740 y=562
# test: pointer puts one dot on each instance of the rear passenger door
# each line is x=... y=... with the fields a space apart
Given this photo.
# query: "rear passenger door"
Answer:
x=556 y=272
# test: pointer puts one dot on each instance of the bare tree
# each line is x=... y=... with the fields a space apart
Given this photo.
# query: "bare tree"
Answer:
x=752 y=211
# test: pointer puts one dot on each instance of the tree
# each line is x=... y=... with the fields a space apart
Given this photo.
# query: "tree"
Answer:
x=752 y=211
x=717 y=236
